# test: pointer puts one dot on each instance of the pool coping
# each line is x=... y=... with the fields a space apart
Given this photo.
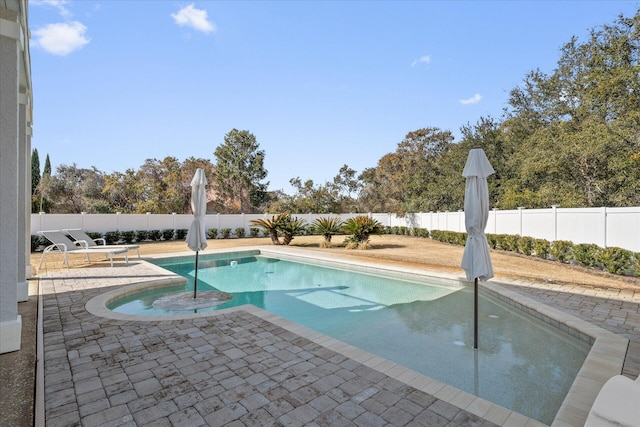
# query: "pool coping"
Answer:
x=604 y=360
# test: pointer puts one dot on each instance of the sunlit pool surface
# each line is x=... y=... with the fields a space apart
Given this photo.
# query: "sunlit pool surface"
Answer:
x=522 y=363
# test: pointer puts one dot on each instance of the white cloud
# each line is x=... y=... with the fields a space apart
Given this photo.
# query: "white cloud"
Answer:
x=194 y=18
x=473 y=100
x=61 y=39
x=60 y=5
x=422 y=60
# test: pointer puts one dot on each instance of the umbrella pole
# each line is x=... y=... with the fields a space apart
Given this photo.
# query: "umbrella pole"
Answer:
x=475 y=313
x=195 y=280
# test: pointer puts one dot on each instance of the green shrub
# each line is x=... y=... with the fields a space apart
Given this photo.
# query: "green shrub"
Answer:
x=541 y=248
x=212 y=233
x=240 y=232
x=140 y=235
x=94 y=234
x=509 y=242
x=181 y=233
x=586 y=254
x=168 y=234
x=492 y=240
x=636 y=264
x=452 y=237
x=562 y=250
x=37 y=242
x=525 y=245
x=616 y=260
x=254 y=231
x=154 y=235
x=225 y=233
x=420 y=232
x=128 y=236
x=112 y=237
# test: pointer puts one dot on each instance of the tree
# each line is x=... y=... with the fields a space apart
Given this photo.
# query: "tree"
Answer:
x=74 y=190
x=35 y=181
x=35 y=171
x=240 y=171
x=44 y=205
x=576 y=128
x=399 y=183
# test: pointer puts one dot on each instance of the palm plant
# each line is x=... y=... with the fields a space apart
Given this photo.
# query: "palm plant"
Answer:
x=282 y=223
x=271 y=226
x=291 y=227
x=361 y=227
x=327 y=226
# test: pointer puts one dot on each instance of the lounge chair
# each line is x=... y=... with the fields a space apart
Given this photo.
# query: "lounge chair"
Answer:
x=617 y=404
x=80 y=236
x=62 y=243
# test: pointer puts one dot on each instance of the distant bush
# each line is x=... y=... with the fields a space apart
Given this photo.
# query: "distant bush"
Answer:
x=452 y=237
x=525 y=245
x=181 y=233
x=37 y=243
x=212 y=233
x=562 y=250
x=94 y=235
x=254 y=232
x=154 y=235
x=128 y=236
x=240 y=232
x=420 y=232
x=112 y=237
x=586 y=254
x=167 y=234
x=225 y=233
x=541 y=248
x=140 y=235
x=616 y=260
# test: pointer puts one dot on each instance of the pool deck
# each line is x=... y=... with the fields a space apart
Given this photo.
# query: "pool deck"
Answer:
x=247 y=367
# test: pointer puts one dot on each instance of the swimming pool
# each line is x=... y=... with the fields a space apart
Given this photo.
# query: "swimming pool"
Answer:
x=523 y=364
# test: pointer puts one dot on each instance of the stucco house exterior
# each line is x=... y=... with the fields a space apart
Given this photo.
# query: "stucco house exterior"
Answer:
x=16 y=110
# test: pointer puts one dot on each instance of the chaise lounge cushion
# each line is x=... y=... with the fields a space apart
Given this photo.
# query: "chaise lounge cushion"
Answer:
x=617 y=404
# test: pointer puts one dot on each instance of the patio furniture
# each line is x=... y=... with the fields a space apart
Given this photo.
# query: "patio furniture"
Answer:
x=79 y=235
x=63 y=244
x=617 y=404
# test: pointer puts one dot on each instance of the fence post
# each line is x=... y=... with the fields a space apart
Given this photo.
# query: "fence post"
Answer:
x=173 y=217
x=495 y=220
x=554 y=211
x=604 y=220
x=520 y=208
x=118 y=221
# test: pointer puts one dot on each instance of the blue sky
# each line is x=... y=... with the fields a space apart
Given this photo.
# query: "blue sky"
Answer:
x=319 y=83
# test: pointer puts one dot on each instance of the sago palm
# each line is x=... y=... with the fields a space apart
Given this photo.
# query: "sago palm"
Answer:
x=361 y=227
x=327 y=227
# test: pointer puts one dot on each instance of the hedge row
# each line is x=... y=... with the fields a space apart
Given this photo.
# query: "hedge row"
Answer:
x=38 y=243
x=612 y=259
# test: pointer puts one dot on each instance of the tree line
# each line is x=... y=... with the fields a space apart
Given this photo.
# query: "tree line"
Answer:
x=569 y=138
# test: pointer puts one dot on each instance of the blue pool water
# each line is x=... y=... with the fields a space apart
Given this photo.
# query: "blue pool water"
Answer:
x=522 y=364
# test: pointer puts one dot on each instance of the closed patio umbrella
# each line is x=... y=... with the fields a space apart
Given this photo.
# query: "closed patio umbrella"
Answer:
x=476 y=260
x=197 y=234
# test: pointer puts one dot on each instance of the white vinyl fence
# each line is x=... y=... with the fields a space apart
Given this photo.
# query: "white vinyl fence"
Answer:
x=602 y=226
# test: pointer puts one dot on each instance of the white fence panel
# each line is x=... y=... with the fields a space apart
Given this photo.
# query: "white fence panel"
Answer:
x=581 y=226
x=538 y=223
x=602 y=226
x=623 y=228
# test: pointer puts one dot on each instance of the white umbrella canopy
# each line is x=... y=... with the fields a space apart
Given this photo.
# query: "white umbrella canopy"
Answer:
x=197 y=234
x=476 y=260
